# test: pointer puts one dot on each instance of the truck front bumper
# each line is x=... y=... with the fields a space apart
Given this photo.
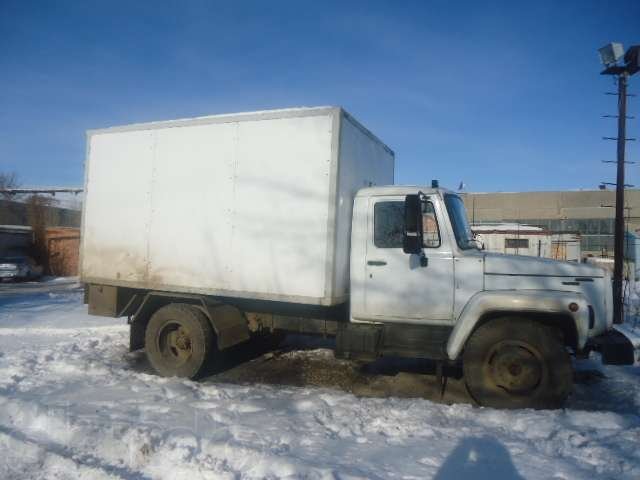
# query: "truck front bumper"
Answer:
x=618 y=346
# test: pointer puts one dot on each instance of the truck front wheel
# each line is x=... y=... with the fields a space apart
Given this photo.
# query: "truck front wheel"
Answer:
x=179 y=341
x=515 y=362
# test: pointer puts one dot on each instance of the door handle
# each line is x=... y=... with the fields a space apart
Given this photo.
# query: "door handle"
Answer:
x=376 y=263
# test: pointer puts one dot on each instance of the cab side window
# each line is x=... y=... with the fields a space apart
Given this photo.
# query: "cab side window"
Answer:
x=430 y=230
x=388 y=225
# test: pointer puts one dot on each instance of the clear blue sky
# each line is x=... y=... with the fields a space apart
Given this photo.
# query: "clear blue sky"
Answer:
x=503 y=95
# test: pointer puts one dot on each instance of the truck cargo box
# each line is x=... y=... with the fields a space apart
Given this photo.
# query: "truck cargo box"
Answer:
x=253 y=205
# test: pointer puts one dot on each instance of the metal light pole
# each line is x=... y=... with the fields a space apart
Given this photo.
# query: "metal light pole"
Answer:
x=609 y=55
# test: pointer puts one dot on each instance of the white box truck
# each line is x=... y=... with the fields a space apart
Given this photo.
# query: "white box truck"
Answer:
x=209 y=232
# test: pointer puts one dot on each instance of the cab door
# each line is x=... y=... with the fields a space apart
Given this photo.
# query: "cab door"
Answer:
x=398 y=288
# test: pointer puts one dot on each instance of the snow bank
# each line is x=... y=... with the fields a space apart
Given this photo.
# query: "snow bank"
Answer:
x=75 y=404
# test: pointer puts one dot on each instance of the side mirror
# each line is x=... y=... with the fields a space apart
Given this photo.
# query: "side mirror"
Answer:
x=412 y=235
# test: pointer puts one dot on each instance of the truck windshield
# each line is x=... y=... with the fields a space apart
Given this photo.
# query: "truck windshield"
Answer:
x=458 y=216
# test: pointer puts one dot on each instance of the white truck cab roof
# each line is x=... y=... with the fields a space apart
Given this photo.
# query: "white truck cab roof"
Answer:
x=401 y=190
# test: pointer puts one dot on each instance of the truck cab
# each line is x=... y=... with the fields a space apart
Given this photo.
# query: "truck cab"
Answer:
x=511 y=320
x=434 y=284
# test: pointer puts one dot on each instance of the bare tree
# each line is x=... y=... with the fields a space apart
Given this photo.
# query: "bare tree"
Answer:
x=39 y=214
x=8 y=180
x=9 y=211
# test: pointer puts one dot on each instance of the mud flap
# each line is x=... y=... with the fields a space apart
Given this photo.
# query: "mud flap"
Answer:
x=229 y=324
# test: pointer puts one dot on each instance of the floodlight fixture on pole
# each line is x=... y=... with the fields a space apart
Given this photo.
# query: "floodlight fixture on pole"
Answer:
x=632 y=59
x=610 y=55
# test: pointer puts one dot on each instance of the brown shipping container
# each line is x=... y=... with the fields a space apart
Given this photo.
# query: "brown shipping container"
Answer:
x=63 y=248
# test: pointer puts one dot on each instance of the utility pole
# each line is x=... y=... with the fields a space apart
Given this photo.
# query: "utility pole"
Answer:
x=609 y=55
x=618 y=247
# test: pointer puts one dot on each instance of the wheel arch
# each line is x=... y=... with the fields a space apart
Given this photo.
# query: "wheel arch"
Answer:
x=227 y=321
x=548 y=308
x=563 y=322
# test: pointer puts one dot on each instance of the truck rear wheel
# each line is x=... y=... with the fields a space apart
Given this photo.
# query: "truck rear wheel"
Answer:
x=179 y=341
x=514 y=362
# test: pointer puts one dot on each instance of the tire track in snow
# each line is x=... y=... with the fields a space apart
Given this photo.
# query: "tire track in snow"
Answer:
x=82 y=459
x=68 y=332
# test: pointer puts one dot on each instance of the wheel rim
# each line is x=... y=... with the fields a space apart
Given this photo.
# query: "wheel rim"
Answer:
x=515 y=367
x=175 y=343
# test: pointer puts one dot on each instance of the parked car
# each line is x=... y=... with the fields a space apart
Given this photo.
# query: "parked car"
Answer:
x=19 y=268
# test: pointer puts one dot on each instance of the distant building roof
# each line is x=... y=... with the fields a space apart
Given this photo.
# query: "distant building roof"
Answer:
x=15 y=229
x=505 y=228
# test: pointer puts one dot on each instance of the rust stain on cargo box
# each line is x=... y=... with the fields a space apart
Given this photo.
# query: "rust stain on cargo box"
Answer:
x=113 y=263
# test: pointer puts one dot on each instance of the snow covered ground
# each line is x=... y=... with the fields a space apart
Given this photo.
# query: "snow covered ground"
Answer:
x=75 y=404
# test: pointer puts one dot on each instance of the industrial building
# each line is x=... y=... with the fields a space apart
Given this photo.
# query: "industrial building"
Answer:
x=589 y=213
x=17 y=213
x=519 y=239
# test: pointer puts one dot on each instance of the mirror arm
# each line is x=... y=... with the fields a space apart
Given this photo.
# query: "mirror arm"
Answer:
x=424 y=260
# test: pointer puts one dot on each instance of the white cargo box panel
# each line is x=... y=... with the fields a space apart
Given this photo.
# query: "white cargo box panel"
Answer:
x=253 y=205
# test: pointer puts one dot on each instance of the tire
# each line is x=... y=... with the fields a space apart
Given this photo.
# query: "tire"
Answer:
x=513 y=362
x=179 y=341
